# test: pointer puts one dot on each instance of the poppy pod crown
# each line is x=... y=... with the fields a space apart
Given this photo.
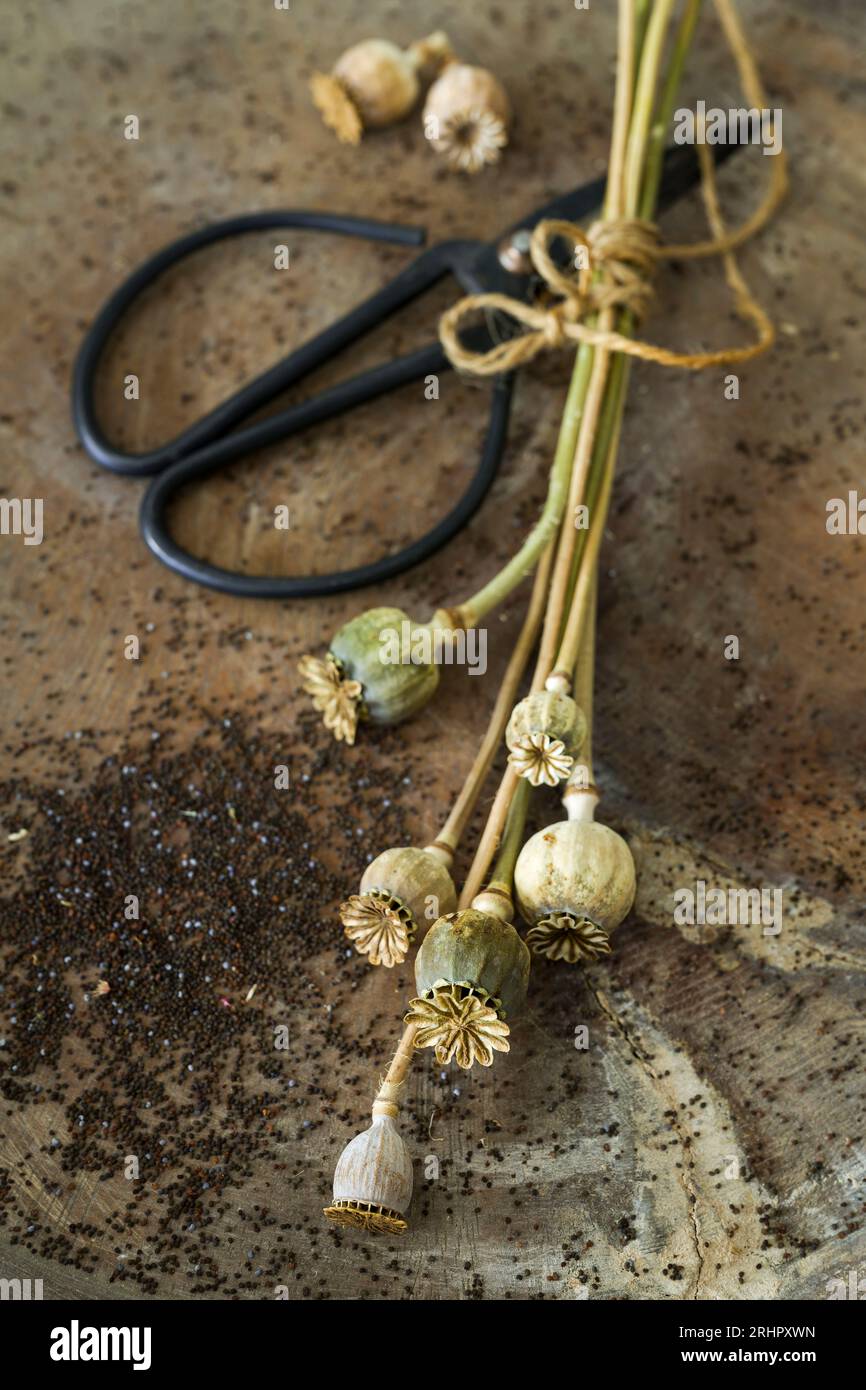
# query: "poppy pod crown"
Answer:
x=471 y=972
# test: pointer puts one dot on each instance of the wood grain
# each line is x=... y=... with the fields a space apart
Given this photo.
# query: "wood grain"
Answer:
x=708 y=1143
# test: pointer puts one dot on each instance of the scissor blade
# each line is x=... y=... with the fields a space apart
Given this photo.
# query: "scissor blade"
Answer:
x=680 y=173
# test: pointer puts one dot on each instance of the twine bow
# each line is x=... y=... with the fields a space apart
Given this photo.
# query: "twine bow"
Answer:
x=621 y=255
x=615 y=272
x=615 y=260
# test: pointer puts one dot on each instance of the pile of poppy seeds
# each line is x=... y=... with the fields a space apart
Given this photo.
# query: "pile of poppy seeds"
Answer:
x=165 y=1047
x=181 y=1017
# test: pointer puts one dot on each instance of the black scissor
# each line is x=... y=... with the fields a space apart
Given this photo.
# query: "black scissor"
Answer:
x=213 y=442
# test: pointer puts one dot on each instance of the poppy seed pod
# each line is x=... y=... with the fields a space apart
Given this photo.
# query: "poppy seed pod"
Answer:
x=400 y=889
x=378 y=668
x=574 y=882
x=472 y=969
x=374 y=83
x=373 y=1180
x=544 y=733
x=466 y=116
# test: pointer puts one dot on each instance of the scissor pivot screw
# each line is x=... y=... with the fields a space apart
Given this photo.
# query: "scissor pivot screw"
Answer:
x=514 y=253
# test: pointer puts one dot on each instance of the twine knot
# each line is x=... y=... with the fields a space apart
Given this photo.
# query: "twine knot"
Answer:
x=614 y=261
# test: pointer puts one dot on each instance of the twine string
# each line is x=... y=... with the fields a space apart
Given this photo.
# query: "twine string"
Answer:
x=616 y=269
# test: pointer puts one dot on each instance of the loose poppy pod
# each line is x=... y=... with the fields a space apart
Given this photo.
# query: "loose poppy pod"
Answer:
x=466 y=116
x=471 y=971
x=374 y=83
x=574 y=883
x=400 y=889
x=380 y=79
x=545 y=731
x=373 y=1180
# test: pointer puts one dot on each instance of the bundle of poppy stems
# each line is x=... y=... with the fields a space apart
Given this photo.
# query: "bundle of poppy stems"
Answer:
x=571 y=884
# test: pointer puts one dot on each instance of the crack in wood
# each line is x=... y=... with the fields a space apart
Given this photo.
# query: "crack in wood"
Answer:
x=644 y=1061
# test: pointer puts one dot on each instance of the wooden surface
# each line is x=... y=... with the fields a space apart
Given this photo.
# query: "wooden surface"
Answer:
x=708 y=1144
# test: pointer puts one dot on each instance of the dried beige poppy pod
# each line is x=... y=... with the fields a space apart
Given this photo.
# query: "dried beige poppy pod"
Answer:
x=374 y=83
x=400 y=889
x=373 y=1177
x=544 y=732
x=466 y=116
x=373 y=1180
x=574 y=882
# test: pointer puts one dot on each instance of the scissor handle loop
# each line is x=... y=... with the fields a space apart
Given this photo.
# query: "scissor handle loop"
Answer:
x=209 y=444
